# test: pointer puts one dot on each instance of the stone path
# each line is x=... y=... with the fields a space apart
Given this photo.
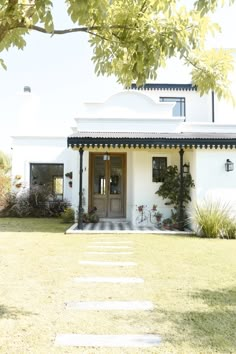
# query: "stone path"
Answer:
x=109 y=341
x=108 y=263
x=110 y=305
x=105 y=246
x=108 y=280
x=120 y=253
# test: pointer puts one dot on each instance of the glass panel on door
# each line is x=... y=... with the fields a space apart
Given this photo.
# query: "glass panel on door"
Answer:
x=99 y=186
x=99 y=182
x=115 y=175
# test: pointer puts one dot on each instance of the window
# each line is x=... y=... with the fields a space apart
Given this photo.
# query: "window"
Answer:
x=47 y=176
x=159 y=165
x=179 y=107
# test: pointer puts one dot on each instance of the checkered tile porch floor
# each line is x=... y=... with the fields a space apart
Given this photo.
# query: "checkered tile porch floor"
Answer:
x=119 y=226
x=116 y=225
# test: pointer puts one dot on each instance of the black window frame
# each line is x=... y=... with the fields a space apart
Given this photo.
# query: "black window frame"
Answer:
x=58 y=195
x=157 y=172
x=180 y=100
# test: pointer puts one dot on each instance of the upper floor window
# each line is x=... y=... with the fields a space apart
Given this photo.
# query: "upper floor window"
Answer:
x=179 y=107
x=159 y=165
x=47 y=176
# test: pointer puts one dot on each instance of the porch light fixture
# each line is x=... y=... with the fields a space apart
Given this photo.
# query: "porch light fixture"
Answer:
x=106 y=157
x=229 y=166
x=186 y=168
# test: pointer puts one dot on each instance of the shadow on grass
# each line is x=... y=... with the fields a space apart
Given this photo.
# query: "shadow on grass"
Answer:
x=13 y=312
x=223 y=297
x=210 y=330
x=49 y=225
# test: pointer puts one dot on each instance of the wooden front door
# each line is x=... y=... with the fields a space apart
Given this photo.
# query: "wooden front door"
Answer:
x=107 y=184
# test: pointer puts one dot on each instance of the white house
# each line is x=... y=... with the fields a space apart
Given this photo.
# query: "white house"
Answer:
x=118 y=147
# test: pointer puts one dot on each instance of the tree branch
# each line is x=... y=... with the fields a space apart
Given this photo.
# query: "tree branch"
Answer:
x=76 y=29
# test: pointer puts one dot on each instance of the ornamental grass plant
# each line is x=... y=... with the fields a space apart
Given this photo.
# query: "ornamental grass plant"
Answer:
x=213 y=219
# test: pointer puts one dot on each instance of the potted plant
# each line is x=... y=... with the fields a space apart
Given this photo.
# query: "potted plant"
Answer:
x=158 y=216
x=69 y=174
x=91 y=216
x=140 y=208
x=70 y=184
x=167 y=223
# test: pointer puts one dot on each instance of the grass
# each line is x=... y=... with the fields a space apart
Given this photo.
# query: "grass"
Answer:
x=191 y=281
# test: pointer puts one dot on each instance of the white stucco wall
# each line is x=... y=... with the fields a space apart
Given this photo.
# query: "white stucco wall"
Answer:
x=198 y=109
x=141 y=189
x=28 y=150
x=212 y=181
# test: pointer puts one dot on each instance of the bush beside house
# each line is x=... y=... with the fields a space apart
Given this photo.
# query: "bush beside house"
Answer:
x=34 y=202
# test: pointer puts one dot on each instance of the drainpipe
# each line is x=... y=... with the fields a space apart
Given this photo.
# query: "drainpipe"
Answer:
x=212 y=106
x=181 y=192
x=80 y=216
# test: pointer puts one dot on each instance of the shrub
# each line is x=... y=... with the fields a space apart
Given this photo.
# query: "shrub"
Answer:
x=229 y=230
x=169 y=190
x=35 y=202
x=68 y=215
x=213 y=220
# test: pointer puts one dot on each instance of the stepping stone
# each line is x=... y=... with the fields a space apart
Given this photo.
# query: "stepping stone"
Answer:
x=119 y=264
x=95 y=340
x=108 y=252
x=113 y=242
x=108 y=280
x=98 y=246
x=110 y=305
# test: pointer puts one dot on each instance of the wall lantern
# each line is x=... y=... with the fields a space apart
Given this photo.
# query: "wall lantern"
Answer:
x=186 y=168
x=106 y=157
x=229 y=166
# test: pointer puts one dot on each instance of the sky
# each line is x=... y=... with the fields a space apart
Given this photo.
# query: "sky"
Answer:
x=61 y=76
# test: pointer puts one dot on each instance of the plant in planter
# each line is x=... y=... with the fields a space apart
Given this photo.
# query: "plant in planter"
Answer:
x=140 y=208
x=69 y=174
x=91 y=216
x=167 y=223
x=158 y=216
x=70 y=184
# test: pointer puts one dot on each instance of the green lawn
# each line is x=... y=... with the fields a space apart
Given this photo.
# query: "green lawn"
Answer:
x=191 y=281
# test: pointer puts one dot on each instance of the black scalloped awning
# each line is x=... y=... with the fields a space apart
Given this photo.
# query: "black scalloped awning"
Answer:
x=148 y=140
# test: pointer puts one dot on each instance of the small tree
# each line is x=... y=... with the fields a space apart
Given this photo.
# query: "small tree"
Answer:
x=170 y=189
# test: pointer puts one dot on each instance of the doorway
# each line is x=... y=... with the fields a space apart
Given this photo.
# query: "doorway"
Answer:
x=107 y=184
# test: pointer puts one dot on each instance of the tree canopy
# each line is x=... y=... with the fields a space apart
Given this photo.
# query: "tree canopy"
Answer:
x=131 y=39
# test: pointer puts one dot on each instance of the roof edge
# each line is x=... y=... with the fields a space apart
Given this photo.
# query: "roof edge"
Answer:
x=161 y=86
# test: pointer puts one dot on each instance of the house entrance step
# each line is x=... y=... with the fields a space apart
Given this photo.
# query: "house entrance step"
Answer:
x=114 y=220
